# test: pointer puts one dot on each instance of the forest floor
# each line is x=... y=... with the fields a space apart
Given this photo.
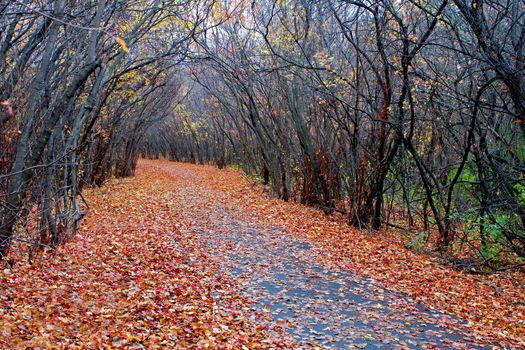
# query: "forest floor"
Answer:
x=192 y=257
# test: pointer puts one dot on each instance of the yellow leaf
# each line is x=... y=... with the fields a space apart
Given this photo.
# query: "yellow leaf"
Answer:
x=122 y=44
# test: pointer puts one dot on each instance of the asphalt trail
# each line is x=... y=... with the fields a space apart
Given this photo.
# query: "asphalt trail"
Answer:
x=319 y=306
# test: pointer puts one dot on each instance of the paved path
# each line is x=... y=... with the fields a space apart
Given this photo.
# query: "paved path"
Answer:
x=316 y=305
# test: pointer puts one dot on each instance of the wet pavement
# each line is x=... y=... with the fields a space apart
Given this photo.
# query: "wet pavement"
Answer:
x=320 y=306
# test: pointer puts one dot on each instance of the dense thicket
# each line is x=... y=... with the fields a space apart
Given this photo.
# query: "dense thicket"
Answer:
x=80 y=83
x=401 y=112
x=407 y=113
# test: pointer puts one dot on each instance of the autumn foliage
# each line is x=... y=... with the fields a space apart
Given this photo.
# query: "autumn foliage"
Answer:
x=129 y=279
x=136 y=275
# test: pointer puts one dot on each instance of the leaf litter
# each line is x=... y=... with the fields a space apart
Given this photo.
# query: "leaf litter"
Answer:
x=193 y=257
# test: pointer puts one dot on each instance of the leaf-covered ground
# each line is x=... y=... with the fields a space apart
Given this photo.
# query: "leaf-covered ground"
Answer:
x=192 y=257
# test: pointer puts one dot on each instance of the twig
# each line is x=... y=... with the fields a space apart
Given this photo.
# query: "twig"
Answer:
x=41 y=13
x=330 y=209
x=396 y=226
x=496 y=288
x=507 y=268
